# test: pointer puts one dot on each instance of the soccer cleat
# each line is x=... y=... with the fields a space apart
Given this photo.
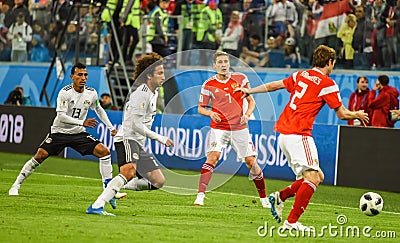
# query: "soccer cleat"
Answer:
x=13 y=191
x=113 y=202
x=276 y=206
x=199 y=199
x=98 y=211
x=120 y=195
x=295 y=226
x=265 y=202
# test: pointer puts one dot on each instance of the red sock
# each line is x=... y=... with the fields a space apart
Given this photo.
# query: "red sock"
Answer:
x=301 y=201
x=260 y=185
x=205 y=176
x=291 y=190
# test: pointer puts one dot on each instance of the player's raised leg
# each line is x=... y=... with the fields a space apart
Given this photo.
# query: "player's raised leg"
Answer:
x=105 y=167
x=28 y=168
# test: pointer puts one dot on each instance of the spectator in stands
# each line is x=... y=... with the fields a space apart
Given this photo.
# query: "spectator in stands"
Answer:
x=345 y=34
x=386 y=100
x=5 y=53
x=358 y=100
x=291 y=59
x=254 y=54
x=303 y=38
x=209 y=30
x=379 y=32
x=389 y=50
x=39 y=52
x=158 y=27
x=185 y=8
x=4 y=8
x=284 y=17
x=106 y=102
x=17 y=9
x=362 y=40
x=251 y=19
x=232 y=36
x=20 y=34
x=130 y=21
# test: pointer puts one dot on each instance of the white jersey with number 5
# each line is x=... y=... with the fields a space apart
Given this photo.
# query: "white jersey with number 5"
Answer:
x=75 y=105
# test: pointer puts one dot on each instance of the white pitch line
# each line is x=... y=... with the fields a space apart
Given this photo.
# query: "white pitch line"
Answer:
x=216 y=192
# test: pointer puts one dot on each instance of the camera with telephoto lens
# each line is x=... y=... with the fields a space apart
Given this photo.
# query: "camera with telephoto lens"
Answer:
x=393 y=116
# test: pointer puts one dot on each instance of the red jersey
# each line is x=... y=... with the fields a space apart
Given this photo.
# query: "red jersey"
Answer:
x=218 y=94
x=309 y=91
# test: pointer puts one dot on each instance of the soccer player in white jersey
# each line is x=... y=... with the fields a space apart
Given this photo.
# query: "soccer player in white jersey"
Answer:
x=68 y=129
x=228 y=125
x=309 y=91
x=139 y=112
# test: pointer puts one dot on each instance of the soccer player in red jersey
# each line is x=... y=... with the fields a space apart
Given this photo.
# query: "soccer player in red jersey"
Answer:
x=228 y=124
x=309 y=91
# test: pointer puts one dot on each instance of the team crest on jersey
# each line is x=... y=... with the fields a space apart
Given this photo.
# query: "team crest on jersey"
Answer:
x=86 y=104
x=48 y=140
x=135 y=156
x=234 y=85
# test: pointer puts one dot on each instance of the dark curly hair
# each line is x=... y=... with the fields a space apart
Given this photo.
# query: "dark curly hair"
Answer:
x=146 y=65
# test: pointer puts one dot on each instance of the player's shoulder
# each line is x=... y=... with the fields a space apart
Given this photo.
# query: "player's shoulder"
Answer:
x=210 y=81
x=67 y=88
x=90 y=89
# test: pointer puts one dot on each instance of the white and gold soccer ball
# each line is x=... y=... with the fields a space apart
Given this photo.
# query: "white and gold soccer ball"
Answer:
x=371 y=203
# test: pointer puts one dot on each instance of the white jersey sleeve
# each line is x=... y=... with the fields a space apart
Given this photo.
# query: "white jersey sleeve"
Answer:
x=138 y=117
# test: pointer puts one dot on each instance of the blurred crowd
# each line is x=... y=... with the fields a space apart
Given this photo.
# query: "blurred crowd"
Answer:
x=271 y=33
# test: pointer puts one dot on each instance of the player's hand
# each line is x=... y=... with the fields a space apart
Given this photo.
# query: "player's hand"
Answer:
x=113 y=132
x=245 y=92
x=244 y=119
x=397 y=112
x=169 y=143
x=90 y=122
x=363 y=117
x=215 y=117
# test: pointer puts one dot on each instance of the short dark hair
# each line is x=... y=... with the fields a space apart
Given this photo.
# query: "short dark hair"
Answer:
x=383 y=79
x=78 y=65
x=105 y=94
x=255 y=37
x=359 y=78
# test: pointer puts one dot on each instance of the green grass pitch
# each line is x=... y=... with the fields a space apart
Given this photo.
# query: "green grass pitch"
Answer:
x=52 y=203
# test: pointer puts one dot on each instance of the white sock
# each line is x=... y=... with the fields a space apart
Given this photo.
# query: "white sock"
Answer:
x=138 y=184
x=109 y=192
x=26 y=171
x=105 y=167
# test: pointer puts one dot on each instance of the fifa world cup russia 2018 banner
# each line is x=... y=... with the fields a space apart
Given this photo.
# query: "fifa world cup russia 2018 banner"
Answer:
x=331 y=18
x=190 y=134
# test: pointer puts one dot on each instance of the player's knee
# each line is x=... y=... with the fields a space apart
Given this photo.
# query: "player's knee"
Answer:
x=321 y=176
x=41 y=155
x=313 y=176
x=158 y=183
x=101 y=151
x=128 y=171
x=212 y=158
x=250 y=162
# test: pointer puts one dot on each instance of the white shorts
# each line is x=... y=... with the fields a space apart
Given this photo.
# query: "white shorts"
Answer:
x=240 y=141
x=300 y=152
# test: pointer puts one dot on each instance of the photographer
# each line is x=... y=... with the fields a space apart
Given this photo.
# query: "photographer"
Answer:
x=20 y=34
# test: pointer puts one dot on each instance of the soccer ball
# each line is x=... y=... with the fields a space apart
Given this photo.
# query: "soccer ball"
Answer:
x=371 y=203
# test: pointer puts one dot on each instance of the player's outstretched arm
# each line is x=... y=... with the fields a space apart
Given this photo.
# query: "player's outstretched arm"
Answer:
x=344 y=114
x=138 y=126
x=101 y=113
x=268 y=87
